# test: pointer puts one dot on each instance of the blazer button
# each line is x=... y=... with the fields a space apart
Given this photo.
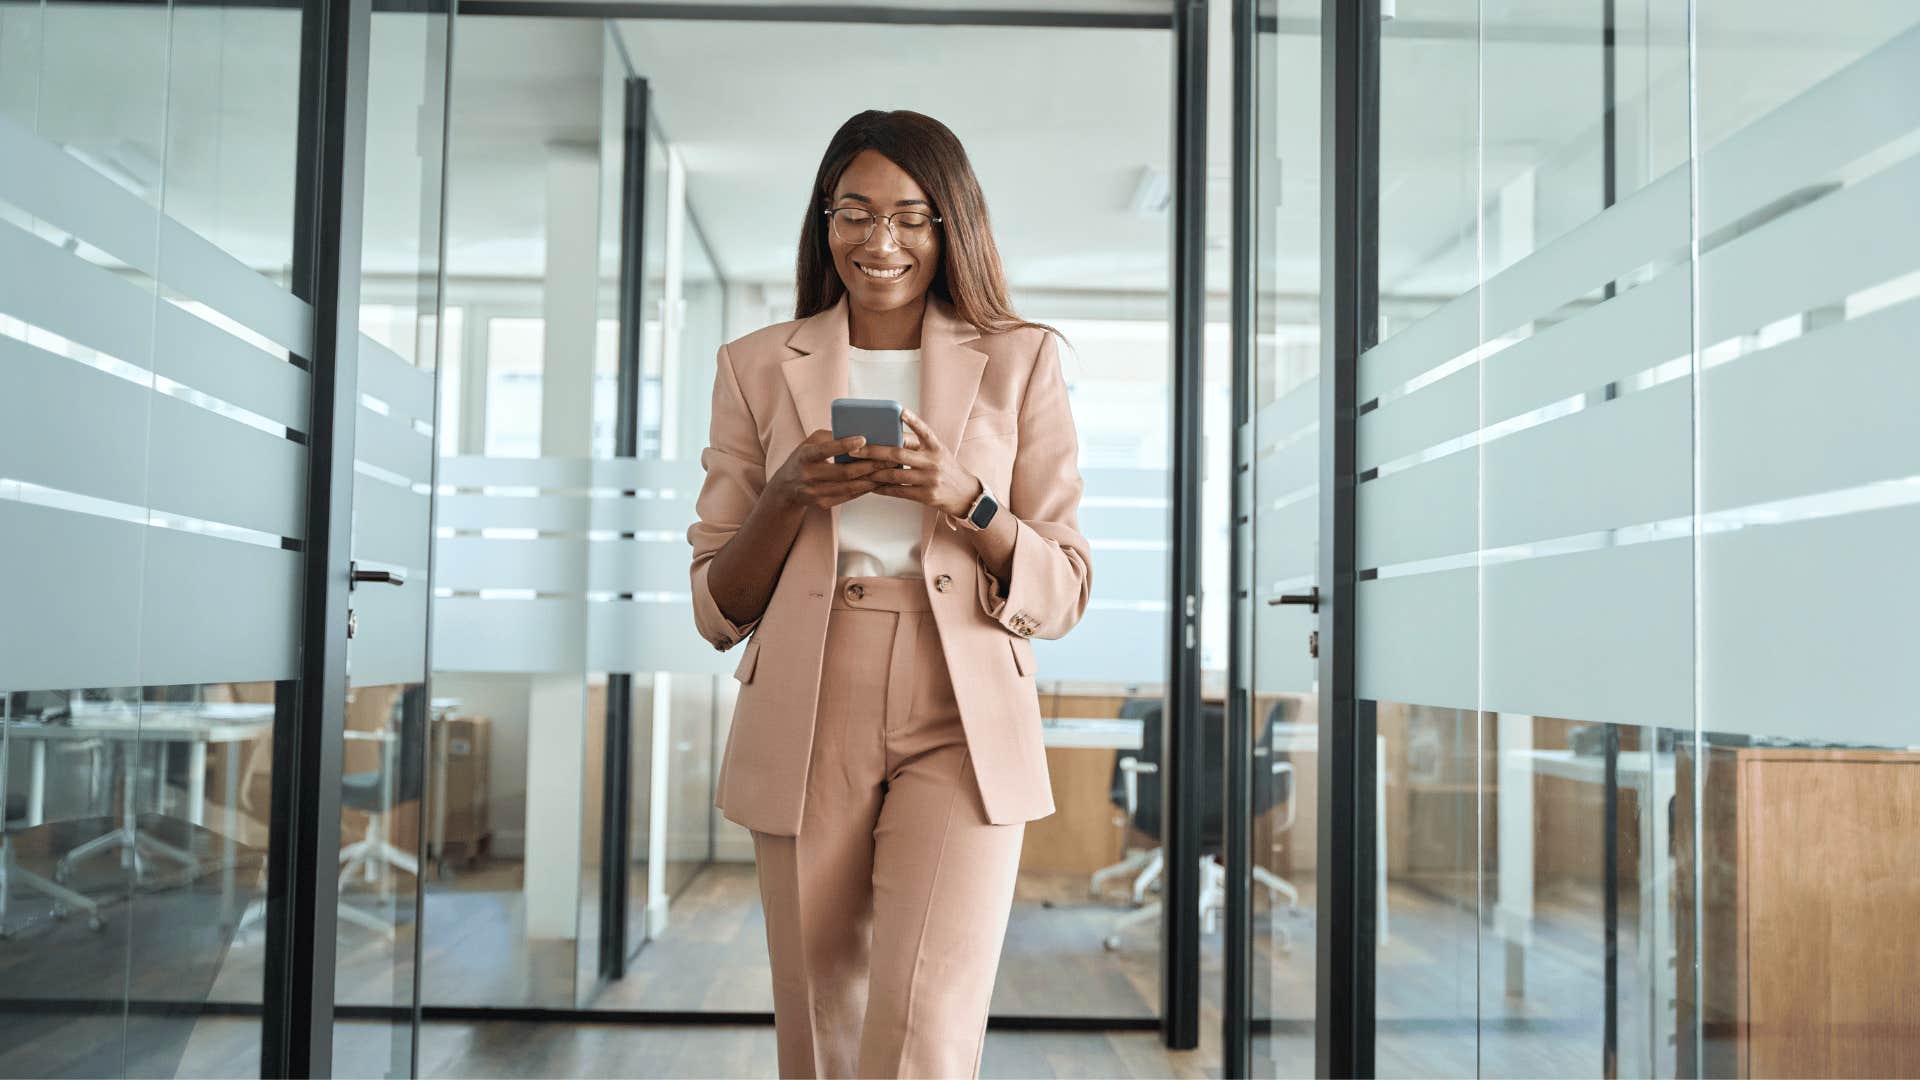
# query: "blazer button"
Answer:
x=943 y=582
x=856 y=590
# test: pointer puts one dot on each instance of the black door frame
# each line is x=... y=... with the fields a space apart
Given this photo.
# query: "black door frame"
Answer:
x=1346 y=897
x=304 y=828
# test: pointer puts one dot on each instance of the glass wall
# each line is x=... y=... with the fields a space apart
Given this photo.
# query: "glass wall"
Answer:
x=1636 y=398
x=1280 y=498
x=153 y=469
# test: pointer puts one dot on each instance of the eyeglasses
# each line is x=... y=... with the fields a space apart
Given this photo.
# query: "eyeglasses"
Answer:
x=854 y=225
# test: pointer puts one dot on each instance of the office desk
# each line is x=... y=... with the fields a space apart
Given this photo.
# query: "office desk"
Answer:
x=125 y=726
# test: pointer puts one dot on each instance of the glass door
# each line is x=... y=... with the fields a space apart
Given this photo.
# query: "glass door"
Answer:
x=397 y=737
x=1277 y=524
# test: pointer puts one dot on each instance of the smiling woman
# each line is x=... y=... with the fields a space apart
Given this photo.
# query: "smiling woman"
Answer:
x=885 y=751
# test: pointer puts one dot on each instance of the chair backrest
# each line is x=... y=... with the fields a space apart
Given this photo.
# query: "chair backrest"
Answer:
x=1269 y=790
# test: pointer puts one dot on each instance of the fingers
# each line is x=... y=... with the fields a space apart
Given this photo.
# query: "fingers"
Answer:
x=821 y=445
x=911 y=492
x=927 y=439
x=896 y=455
x=833 y=493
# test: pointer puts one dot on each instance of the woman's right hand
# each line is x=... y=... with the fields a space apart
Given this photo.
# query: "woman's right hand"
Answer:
x=809 y=477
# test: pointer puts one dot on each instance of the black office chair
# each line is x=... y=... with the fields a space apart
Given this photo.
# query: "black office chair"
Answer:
x=1137 y=780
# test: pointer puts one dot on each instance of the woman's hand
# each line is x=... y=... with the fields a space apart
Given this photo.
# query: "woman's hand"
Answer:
x=809 y=478
x=932 y=475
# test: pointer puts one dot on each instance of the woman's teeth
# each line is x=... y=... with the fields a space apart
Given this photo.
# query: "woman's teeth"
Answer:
x=893 y=272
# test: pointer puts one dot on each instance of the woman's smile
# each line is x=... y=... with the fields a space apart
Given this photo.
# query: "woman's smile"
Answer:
x=881 y=273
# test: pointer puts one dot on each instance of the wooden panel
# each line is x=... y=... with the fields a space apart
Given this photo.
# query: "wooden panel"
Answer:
x=1809 y=894
x=1832 y=880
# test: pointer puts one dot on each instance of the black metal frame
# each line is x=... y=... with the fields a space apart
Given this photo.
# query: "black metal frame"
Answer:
x=813 y=13
x=1236 y=1022
x=304 y=831
x=616 y=842
x=1346 y=893
x=1183 y=736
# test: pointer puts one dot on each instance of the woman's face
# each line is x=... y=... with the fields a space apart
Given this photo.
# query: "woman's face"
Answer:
x=882 y=274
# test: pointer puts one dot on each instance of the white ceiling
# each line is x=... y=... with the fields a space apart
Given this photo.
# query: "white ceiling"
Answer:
x=1059 y=124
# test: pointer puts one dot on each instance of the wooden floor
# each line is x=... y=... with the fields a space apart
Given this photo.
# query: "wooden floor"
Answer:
x=1441 y=1006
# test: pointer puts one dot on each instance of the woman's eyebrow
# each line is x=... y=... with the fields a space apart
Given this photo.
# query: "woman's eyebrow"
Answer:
x=901 y=202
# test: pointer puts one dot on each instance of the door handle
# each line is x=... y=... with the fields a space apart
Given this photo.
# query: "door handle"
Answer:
x=1310 y=598
x=357 y=576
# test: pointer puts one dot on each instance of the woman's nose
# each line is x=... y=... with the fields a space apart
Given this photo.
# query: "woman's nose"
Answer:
x=882 y=237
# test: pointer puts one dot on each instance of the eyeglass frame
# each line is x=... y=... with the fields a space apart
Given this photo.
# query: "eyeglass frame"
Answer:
x=932 y=219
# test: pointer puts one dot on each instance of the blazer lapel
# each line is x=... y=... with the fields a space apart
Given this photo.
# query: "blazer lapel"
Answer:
x=949 y=380
x=949 y=370
x=819 y=373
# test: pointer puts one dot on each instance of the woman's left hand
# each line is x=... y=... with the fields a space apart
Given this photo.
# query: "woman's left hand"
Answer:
x=932 y=475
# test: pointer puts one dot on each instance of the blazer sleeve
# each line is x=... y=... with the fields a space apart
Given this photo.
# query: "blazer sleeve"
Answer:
x=735 y=465
x=1052 y=573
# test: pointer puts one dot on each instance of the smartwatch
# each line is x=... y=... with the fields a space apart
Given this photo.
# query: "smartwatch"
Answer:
x=981 y=513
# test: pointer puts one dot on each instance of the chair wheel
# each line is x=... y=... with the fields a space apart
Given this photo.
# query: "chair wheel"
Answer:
x=59 y=912
x=1112 y=942
x=95 y=923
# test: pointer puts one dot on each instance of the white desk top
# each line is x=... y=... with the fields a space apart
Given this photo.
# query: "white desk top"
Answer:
x=153 y=721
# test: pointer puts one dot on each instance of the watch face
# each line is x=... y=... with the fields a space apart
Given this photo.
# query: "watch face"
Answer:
x=983 y=513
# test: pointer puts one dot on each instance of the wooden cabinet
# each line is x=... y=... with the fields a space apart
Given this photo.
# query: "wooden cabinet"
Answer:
x=1809 y=932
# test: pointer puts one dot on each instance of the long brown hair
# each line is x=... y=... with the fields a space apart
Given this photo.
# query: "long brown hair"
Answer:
x=970 y=276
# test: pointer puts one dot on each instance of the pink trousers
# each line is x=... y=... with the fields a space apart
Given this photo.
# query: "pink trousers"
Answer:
x=886 y=914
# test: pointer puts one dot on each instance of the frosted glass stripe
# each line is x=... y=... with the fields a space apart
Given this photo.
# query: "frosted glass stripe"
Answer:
x=53 y=186
x=1286 y=542
x=206 y=466
x=1419 y=514
x=1649 y=226
x=390 y=525
x=1637 y=330
x=192 y=351
x=1451 y=330
x=648 y=474
x=1626 y=462
x=543 y=565
x=538 y=635
x=549 y=473
x=217 y=611
x=1857 y=237
x=391 y=444
x=1828 y=410
x=195 y=266
x=41 y=285
x=1120 y=574
x=1599 y=636
x=389 y=646
x=407 y=390
x=1442 y=411
x=651 y=635
x=1862 y=107
x=1288 y=416
x=1281 y=664
x=69 y=426
x=1416 y=639
x=1794 y=649
x=74 y=620
x=1285 y=477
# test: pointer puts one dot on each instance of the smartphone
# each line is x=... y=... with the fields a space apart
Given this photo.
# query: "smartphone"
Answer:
x=876 y=418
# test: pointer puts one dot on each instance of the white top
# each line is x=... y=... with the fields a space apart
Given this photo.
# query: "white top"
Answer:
x=879 y=534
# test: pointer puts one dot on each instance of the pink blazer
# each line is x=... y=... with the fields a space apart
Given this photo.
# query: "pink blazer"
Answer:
x=1000 y=402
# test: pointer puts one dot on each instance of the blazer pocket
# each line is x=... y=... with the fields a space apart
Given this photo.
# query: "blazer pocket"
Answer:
x=748 y=661
x=1022 y=654
x=983 y=424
